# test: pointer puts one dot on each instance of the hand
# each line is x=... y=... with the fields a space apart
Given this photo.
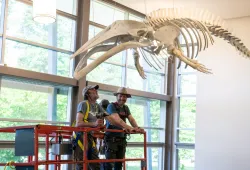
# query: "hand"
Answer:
x=99 y=122
x=105 y=114
x=128 y=130
x=139 y=130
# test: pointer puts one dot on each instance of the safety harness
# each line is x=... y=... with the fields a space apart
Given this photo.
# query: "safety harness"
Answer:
x=122 y=115
x=77 y=137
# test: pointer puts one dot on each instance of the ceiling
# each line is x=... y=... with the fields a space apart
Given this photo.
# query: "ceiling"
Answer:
x=223 y=8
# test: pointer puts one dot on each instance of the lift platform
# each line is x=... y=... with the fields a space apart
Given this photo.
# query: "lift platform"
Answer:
x=28 y=139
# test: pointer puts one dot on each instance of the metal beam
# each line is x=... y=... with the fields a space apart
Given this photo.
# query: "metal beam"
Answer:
x=169 y=118
x=11 y=144
x=44 y=46
x=81 y=37
x=97 y=25
x=133 y=92
x=149 y=144
x=184 y=145
x=36 y=77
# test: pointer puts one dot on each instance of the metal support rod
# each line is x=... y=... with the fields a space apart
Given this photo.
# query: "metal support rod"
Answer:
x=169 y=118
x=85 y=158
x=36 y=147
x=145 y=150
x=47 y=151
x=56 y=157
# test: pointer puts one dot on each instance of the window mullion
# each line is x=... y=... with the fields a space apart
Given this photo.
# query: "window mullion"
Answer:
x=4 y=10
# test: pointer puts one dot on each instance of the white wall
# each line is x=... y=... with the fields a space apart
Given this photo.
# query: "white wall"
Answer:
x=223 y=105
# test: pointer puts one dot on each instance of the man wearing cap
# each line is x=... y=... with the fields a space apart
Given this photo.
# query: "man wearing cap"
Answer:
x=115 y=142
x=87 y=112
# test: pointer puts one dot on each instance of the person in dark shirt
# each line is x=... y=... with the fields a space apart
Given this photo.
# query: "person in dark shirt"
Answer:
x=115 y=142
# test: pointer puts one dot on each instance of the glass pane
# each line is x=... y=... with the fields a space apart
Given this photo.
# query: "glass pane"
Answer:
x=134 y=81
x=9 y=155
x=66 y=29
x=153 y=83
x=188 y=84
x=153 y=135
x=187 y=112
x=160 y=68
x=134 y=17
x=134 y=152
x=154 y=156
x=23 y=107
x=93 y=31
x=187 y=136
x=107 y=74
x=33 y=58
x=186 y=159
x=67 y=6
x=104 y=14
x=21 y=25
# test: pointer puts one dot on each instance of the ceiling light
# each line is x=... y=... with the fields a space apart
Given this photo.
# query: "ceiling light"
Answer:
x=44 y=11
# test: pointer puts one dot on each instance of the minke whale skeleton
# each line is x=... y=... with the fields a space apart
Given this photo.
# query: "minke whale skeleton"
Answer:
x=156 y=36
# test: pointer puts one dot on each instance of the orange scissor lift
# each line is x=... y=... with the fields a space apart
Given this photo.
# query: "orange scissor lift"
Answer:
x=48 y=132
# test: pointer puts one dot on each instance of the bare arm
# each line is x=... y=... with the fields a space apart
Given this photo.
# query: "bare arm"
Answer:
x=135 y=125
x=132 y=121
x=117 y=121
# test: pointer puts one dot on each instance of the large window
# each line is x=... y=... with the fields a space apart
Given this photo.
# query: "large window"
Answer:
x=25 y=103
x=47 y=49
x=38 y=47
x=185 y=138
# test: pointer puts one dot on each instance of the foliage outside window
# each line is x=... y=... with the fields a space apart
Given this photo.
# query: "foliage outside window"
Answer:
x=28 y=103
x=138 y=153
x=22 y=33
x=186 y=118
x=37 y=59
x=186 y=159
x=23 y=101
x=9 y=154
x=112 y=78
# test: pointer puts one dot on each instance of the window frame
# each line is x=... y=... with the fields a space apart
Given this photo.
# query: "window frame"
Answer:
x=179 y=95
